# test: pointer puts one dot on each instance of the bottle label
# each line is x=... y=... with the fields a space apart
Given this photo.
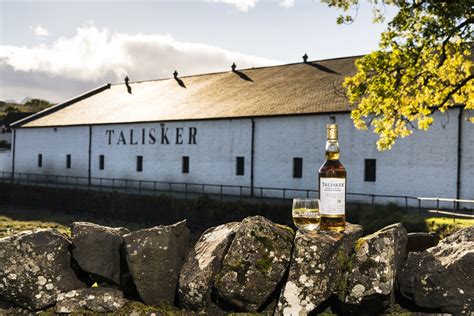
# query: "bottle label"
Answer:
x=333 y=196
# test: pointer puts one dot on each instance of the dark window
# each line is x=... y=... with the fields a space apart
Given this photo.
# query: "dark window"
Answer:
x=240 y=166
x=101 y=162
x=369 y=171
x=68 y=161
x=139 y=163
x=297 y=167
x=40 y=160
x=185 y=164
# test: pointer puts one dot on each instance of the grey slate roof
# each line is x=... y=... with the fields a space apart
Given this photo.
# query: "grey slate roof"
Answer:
x=292 y=89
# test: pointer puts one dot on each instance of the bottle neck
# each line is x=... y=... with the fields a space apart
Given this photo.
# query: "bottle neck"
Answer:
x=332 y=150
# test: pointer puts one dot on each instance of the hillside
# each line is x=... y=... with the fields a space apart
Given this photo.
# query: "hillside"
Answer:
x=32 y=106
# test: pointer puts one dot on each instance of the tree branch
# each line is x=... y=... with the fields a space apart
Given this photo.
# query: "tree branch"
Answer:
x=456 y=89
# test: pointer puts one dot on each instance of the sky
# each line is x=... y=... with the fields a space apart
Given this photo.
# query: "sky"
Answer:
x=56 y=50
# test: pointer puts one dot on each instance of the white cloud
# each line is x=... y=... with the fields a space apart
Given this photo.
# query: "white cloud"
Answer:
x=245 y=5
x=40 y=31
x=95 y=56
x=242 y=5
x=287 y=3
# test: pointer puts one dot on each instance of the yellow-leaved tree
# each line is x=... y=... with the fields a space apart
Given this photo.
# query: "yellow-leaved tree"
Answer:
x=423 y=65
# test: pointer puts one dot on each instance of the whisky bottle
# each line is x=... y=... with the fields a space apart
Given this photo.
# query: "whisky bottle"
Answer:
x=332 y=185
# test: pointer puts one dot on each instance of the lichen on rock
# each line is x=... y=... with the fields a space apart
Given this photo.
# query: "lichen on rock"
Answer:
x=96 y=249
x=202 y=265
x=316 y=269
x=442 y=276
x=255 y=263
x=35 y=268
x=99 y=300
x=154 y=257
x=374 y=267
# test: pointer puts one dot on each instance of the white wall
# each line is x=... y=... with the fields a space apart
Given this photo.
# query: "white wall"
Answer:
x=6 y=137
x=54 y=144
x=424 y=164
x=212 y=159
x=5 y=161
x=467 y=160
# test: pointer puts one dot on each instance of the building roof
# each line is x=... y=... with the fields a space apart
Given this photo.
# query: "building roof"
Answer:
x=292 y=89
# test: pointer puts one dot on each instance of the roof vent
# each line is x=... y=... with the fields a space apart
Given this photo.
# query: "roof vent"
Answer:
x=305 y=58
x=233 y=67
x=175 y=74
x=129 y=89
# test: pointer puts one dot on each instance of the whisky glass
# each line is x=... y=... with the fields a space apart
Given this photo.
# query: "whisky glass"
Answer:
x=306 y=215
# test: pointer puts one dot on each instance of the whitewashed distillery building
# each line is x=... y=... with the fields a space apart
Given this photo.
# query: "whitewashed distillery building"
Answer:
x=255 y=128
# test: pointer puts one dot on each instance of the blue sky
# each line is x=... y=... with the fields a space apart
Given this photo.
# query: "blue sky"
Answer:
x=59 y=49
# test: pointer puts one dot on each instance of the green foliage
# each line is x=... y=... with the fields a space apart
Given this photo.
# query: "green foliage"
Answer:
x=39 y=103
x=33 y=105
x=423 y=65
x=12 y=109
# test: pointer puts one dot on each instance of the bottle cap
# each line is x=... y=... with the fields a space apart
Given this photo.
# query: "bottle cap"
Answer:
x=332 y=131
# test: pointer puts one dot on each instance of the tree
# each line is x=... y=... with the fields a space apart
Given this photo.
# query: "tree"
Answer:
x=38 y=104
x=423 y=65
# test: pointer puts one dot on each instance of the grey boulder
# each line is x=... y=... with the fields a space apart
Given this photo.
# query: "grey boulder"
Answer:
x=255 y=263
x=99 y=300
x=154 y=258
x=442 y=276
x=316 y=269
x=370 y=283
x=97 y=249
x=35 y=268
x=202 y=265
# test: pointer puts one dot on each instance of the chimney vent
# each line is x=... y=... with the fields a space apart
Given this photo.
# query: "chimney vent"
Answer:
x=129 y=89
x=175 y=74
x=233 y=67
x=305 y=58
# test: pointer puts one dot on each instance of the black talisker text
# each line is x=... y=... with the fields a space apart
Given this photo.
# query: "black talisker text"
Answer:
x=152 y=136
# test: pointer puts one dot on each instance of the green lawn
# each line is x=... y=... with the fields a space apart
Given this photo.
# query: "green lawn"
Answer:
x=10 y=226
x=446 y=226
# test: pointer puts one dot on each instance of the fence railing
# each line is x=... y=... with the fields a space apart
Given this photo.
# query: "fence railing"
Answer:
x=186 y=189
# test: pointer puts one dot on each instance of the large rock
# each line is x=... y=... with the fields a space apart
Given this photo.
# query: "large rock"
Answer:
x=99 y=300
x=316 y=269
x=255 y=263
x=97 y=249
x=371 y=280
x=202 y=265
x=154 y=258
x=442 y=276
x=35 y=268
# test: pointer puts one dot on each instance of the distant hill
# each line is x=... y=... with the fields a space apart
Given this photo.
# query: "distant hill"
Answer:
x=26 y=99
x=32 y=106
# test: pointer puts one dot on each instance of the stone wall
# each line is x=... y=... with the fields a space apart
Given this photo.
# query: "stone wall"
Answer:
x=253 y=266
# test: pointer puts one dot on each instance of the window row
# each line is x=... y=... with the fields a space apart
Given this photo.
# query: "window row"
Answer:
x=369 y=169
x=369 y=166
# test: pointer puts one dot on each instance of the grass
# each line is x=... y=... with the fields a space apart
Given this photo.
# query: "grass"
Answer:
x=373 y=218
x=446 y=226
x=14 y=219
x=10 y=226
